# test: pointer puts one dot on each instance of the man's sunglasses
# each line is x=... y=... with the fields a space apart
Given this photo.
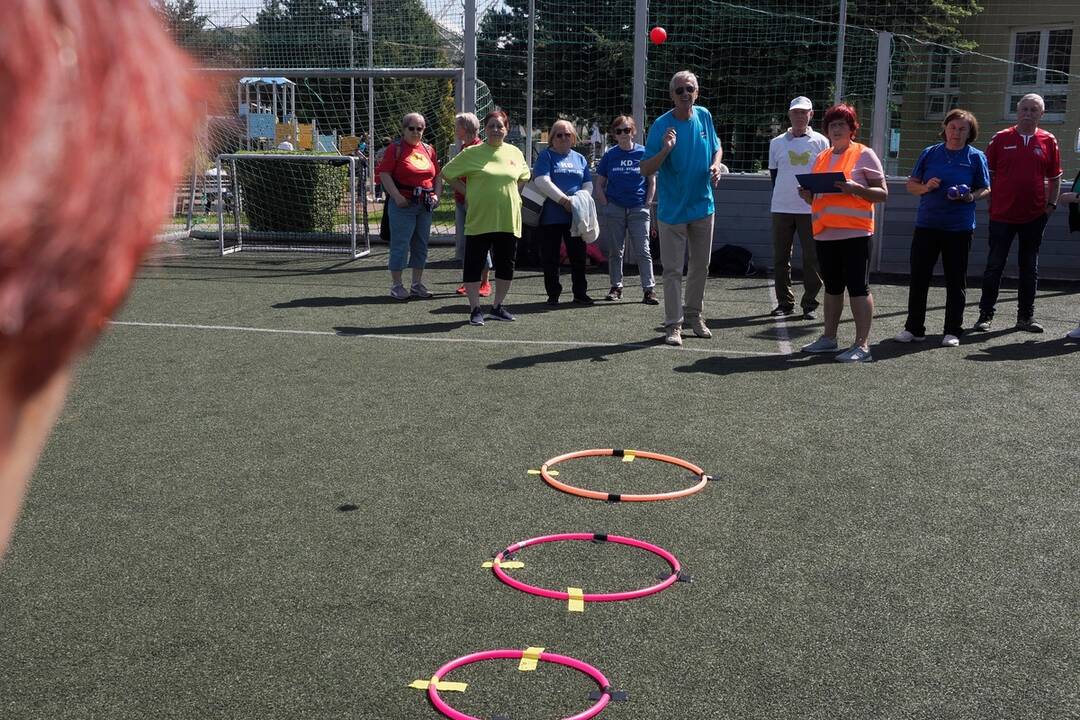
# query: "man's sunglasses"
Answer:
x=623 y=131
x=685 y=89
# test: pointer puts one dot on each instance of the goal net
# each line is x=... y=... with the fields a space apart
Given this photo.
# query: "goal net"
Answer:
x=289 y=201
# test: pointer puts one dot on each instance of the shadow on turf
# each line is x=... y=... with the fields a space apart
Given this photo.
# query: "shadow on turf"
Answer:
x=1026 y=350
x=331 y=301
x=411 y=329
x=577 y=354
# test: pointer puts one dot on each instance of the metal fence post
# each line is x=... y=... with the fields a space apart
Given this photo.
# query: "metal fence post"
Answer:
x=879 y=129
x=641 y=23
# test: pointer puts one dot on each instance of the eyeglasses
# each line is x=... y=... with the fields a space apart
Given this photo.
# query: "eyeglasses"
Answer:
x=685 y=89
x=563 y=135
x=623 y=131
x=414 y=129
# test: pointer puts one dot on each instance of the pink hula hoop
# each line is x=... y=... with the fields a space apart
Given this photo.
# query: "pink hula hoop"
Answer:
x=441 y=706
x=588 y=597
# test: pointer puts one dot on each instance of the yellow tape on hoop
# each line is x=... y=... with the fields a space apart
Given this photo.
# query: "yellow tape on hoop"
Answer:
x=628 y=456
x=529 y=659
x=576 y=601
x=506 y=564
x=439 y=685
x=552 y=473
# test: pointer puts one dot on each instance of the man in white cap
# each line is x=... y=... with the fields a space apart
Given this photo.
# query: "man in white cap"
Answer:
x=792 y=153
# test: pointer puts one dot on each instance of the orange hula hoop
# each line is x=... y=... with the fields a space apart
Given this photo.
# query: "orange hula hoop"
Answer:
x=615 y=497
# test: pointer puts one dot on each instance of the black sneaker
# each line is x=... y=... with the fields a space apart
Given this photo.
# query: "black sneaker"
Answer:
x=781 y=310
x=499 y=312
x=650 y=297
x=583 y=300
x=809 y=314
x=553 y=300
x=1028 y=324
x=984 y=323
x=476 y=316
x=615 y=293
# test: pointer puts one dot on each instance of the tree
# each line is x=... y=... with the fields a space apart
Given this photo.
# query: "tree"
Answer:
x=184 y=23
x=750 y=60
x=329 y=33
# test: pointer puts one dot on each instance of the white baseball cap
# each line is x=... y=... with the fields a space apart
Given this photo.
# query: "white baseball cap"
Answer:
x=801 y=103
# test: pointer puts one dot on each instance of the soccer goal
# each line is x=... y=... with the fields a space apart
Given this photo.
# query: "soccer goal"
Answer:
x=291 y=202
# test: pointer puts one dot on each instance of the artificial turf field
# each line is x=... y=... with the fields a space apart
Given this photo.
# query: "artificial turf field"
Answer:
x=895 y=540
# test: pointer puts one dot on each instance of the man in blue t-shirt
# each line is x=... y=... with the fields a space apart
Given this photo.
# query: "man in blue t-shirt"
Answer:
x=683 y=148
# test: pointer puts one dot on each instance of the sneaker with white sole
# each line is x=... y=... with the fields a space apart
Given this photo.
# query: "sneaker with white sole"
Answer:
x=984 y=323
x=855 y=354
x=398 y=292
x=906 y=336
x=499 y=312
x=1028 y=324
x=821 y=345
x=419 y=291
x=1074 y=334
x=700 y=328
x=476 y=316
x=673 y=335
x=950 y=341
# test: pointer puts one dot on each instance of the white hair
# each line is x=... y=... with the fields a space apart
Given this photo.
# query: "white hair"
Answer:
x=1032 y=96
x=467 y=121
x=418 y=116
x=682 y=75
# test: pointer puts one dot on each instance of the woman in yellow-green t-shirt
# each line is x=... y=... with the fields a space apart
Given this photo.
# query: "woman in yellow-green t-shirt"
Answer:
x=495 y=172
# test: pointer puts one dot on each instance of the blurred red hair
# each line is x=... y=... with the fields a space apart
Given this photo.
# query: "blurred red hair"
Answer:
x=100 y=108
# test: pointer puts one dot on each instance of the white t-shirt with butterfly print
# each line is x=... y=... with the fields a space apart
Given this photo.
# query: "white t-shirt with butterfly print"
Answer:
x=791 y=156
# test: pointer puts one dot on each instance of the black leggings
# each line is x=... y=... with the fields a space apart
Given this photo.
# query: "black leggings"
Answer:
x=845 y=264
x=502 y=245
x=551 y=237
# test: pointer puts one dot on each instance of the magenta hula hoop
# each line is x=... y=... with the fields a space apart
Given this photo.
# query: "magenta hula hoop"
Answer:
x=588 y=597
x=440 y=674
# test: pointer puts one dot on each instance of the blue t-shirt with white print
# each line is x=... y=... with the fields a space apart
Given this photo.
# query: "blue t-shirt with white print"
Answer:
x=569 y=172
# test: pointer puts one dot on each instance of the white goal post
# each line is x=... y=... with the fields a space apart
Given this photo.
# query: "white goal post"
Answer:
x=266 y=216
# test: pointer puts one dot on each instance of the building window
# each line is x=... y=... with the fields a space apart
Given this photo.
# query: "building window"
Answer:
x=943 y=83
x=1040 y=65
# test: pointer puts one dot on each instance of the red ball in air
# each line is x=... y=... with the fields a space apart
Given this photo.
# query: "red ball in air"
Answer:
x=658 y=35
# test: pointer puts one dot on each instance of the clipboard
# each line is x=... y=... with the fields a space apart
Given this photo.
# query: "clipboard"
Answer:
x=820 y=183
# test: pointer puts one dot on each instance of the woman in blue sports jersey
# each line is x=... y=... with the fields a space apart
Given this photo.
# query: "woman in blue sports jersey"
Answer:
x=948 y=178
x=560 y=171
x=623 y=199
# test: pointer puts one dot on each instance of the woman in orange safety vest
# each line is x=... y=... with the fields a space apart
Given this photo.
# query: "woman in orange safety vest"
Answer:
x=843 y=223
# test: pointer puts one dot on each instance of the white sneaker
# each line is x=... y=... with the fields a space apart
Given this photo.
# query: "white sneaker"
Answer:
x=905 y=336
x=1074 y=334
x=673 y=335
x=950 y=341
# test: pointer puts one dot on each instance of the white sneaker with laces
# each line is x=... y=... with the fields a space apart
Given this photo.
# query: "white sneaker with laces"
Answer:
x=906 y=336
x=950 y=341
x=673 y=336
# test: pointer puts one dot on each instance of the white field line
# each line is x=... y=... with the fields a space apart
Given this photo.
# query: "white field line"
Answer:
x=783 y=340
x=407 y=338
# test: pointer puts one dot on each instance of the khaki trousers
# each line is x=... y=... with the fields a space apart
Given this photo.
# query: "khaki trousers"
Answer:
x=677 y=242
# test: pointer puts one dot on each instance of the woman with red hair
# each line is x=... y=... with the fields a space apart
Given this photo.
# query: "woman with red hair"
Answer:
x=843 y=223
x=68 y=250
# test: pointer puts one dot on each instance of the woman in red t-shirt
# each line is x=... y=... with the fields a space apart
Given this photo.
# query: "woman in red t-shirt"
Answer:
x=409 y=172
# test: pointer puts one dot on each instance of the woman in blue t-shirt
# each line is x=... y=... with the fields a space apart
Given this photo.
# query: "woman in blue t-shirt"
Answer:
x=623 y=199
x=559 y=172
x=948 y=178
